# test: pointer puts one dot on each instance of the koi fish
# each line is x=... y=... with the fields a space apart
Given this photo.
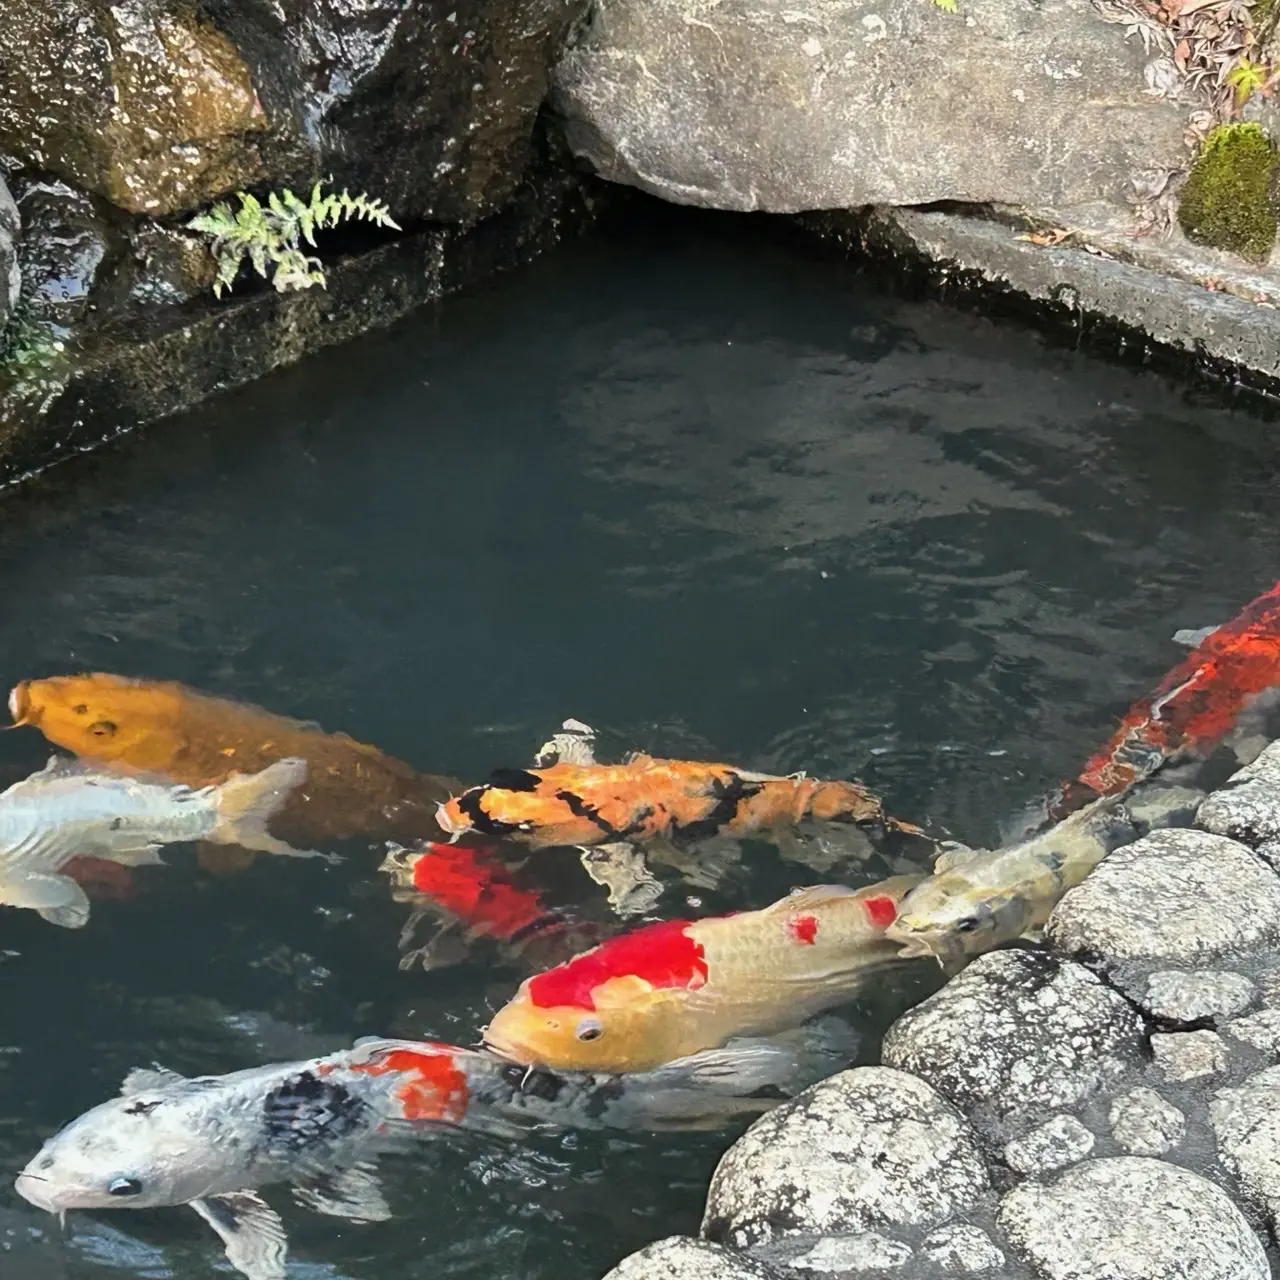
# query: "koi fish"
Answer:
x=667 y=990
x=977 y=898
x=471 y=889
x=160 y=727
x=648 y=799
x=320 y=1125
x=1197 y=704
x=69 y=809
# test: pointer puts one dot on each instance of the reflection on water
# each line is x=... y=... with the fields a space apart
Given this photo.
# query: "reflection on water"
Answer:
x=717 y=501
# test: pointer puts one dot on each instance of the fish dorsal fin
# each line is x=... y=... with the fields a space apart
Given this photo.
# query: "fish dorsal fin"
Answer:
x=812 y=898
x=352 y=1193
x=143 y=1079
x=251 y=1232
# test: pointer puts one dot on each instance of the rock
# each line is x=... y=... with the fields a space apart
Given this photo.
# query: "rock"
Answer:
x=160 y=106
x=1052 y=1145
x=1156 y=808
x=1144 y=1124
x=961 y=1249
x=1173 y=896
x=1018 y=1031
x=867 y=1148
x=1178 y=996
x=66 y=244
x=1248 y=807
x=1188 y=1055
x=163 y=268
x=10 y=275
x=1128 y=1218
x=1246 y=1123
x=680 y=1258
x=832 y=105
x=1261 y=1030
x=869 y=1251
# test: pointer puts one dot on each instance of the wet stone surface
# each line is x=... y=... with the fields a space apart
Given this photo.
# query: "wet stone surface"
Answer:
x=1018 y=1034
x=1055 y=1144
x=1248 y=807
x=1189 y=1055
x=10 y=275
x=1246 y=1123
x=1177 y=995
x=868 y=1148
x=1144 y=1124
x=680 y=1258
x=1127 y=1218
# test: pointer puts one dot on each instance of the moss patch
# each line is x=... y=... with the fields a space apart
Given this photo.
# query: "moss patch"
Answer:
x=1227 y=201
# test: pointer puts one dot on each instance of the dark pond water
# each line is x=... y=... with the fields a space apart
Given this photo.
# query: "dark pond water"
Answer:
x=715 y=498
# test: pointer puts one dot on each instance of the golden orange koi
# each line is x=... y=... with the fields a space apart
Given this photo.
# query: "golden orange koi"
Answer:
x=667 y=990
x=648 y=799
x=161 y=727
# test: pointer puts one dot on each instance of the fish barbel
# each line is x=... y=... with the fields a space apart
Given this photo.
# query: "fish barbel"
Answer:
x=667 y=990
x=978 y=898
x=156 y=726
x=68 y=810
x=648 y=799
x=319 y=1125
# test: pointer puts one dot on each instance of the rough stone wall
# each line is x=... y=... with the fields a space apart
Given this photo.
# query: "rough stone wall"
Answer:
x=1103 y=1107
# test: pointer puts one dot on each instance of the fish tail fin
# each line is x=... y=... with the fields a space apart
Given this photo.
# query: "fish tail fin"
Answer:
x=247 y=802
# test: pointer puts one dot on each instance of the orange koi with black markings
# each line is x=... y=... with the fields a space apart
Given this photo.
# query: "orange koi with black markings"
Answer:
x=667 y=990
x=648 y=799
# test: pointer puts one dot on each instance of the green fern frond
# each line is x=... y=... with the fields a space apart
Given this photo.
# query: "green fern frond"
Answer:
x=269 y=235
x=947 y=6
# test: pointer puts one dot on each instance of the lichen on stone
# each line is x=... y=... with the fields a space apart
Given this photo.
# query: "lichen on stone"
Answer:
x=1227 y=201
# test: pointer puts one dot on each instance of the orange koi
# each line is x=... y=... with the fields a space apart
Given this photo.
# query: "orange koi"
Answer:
x=675 y=988
x=1197 y=704
x=161 y=727
x=647 y=799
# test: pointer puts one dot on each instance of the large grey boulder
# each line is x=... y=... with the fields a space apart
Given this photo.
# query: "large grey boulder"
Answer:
x=868 y=1148
x=10 y=276
x=1247 y=808
x=1018 y=1033
x=161 y=105
x=1171 y=898
x=773 y=105
x=680 y=1258
x=1246 y=1123
x=1128 y=1218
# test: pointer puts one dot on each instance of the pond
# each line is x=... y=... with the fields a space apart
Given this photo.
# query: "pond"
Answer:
x=714 y=497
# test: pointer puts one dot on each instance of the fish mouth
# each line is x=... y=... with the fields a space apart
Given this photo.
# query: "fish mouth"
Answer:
x=40 y=1195
x=20 y=703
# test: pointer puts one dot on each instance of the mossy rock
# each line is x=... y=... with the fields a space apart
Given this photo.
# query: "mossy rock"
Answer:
x=1227 y=201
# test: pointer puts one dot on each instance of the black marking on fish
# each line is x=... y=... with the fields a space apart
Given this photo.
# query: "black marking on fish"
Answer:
x=581 y=809
x=514 y=780
x=143 y=1108
x=116 y=824
x=469 y=803
x=636 y=825
x=728 y=796
x=531 y=1082
x=307 y=1109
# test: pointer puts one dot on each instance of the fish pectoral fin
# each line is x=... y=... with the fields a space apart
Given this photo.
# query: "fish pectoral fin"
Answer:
x=953 y=854
x=353 y=1193
x=58 y=899
x=251 y=1232
x=144 y=1079
x=1193 y=639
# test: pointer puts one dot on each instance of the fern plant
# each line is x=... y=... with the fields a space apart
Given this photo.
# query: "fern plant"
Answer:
x=948 y=6
x=271 y=235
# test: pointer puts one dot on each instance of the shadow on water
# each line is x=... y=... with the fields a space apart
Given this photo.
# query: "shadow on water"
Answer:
x=716 y=498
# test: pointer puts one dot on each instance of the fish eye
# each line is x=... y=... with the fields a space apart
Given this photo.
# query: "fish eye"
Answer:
x=967 y=925
x=81 y=710
x=103 y=728
x=589 y=1029
x=124 y=1187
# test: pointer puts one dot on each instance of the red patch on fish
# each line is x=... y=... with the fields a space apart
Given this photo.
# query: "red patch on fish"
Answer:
x=882 y=912
x=804 y=929
x=435 y=1088
x=100 y=878
x=476 y=889
x=663 y=954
